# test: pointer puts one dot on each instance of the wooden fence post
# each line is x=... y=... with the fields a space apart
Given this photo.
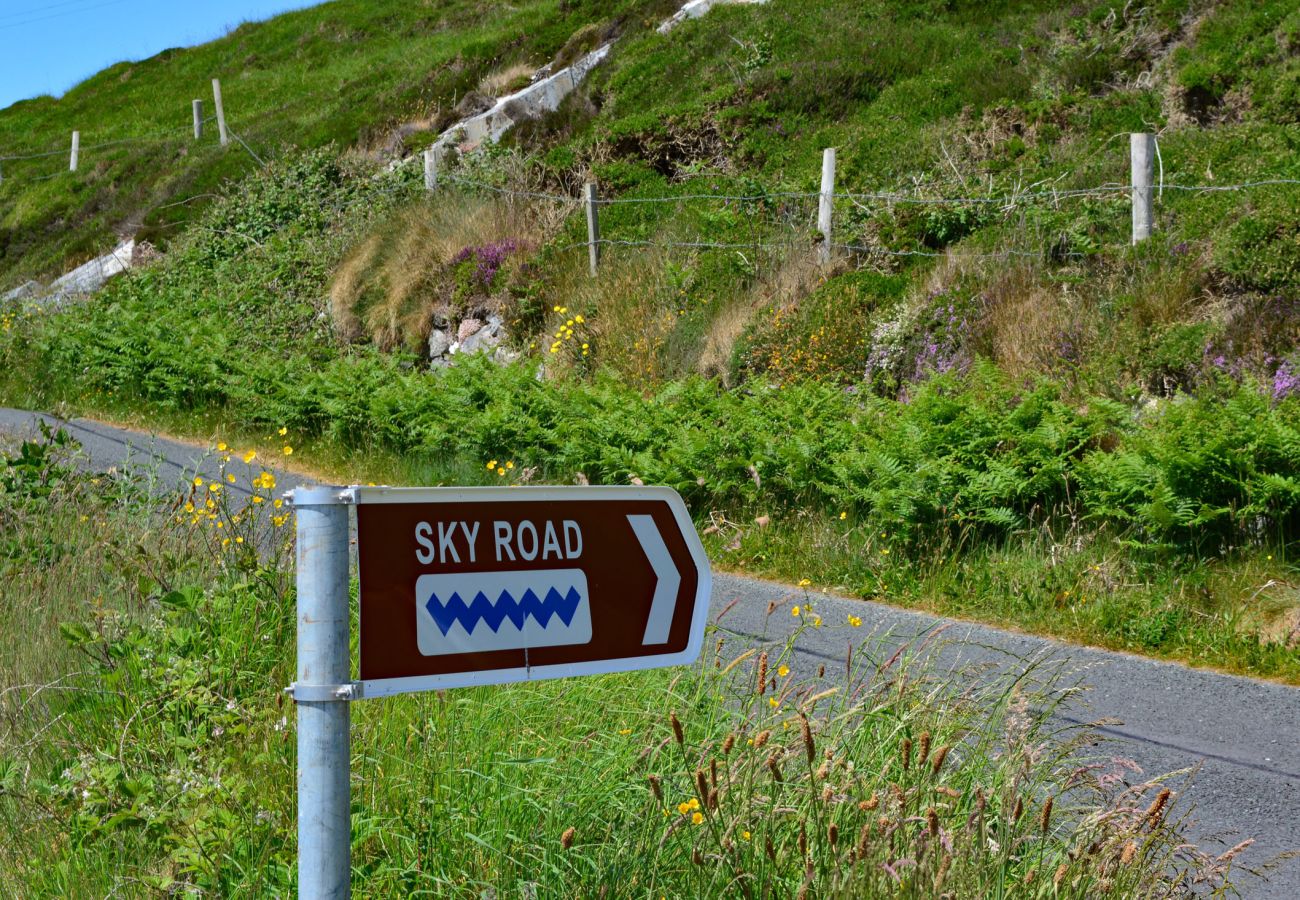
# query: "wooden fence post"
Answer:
x=593 y=226
x=826 y=203
x=198 y=119
x=1141 y=154
x=430 y=169
x=76 y=151
x=221 y=112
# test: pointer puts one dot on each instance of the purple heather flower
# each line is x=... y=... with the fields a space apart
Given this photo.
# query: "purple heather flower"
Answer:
x=1286 y=382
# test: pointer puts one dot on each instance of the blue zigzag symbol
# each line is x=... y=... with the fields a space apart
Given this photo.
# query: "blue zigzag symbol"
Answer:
x=562 y=606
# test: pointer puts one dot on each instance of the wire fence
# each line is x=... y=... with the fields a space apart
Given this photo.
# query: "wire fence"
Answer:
x=795 y=206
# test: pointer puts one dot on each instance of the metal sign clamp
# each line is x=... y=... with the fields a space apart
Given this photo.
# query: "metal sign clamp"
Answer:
x=324 y=693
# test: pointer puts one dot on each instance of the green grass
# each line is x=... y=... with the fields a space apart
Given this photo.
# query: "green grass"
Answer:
x=153 y=749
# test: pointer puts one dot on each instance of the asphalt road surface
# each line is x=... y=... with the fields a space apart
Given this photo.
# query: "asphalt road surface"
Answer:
x=1242 y=736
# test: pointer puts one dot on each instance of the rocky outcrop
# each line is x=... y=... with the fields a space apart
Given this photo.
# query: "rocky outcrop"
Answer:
x=85 y=279
x=471 y=335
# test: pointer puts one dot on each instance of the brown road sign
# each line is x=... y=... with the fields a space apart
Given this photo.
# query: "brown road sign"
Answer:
x=464 y=586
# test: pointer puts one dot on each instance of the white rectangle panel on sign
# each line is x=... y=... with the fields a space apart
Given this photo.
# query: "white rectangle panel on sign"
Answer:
x=474 y=612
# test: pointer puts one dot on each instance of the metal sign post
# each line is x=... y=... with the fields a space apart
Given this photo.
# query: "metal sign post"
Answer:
x=322 y=694
x=473 y=586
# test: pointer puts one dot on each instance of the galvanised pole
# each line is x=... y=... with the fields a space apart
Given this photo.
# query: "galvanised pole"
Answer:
x=323 y=692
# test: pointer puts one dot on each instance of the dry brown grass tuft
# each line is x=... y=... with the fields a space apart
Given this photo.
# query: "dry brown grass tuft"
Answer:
x=793 y=277
x=345 y=290
x=507 y=80
x=1032 y=326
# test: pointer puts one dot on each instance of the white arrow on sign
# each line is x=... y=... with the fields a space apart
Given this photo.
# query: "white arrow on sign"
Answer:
x=667 y=579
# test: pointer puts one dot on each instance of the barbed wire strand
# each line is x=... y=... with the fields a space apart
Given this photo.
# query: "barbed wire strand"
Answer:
x=245 y=146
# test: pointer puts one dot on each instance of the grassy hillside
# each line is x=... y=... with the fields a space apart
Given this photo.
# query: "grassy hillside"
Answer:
x=345 y=73
x=986 y=404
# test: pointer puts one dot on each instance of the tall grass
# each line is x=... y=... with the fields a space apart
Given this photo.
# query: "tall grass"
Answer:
x=157 y=754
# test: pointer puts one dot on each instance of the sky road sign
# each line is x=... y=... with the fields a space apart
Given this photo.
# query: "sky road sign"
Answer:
x=465 y=586
x=468 y=586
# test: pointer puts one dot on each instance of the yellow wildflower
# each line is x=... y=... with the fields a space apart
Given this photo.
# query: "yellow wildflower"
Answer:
x=782 y=670
x=288 y=451
x=198 y=482
x=855 y=621
x=492 y=464
x=230 y=477
x=804 y=582
x=258 y=499
x=697 y=818
x=283 y=432
x=625 y=731
x=250 y=456
x=510 y=464
x=794 y=611
x=278 y=503
x=772 y=702
x=843 y=516
x=221 y=447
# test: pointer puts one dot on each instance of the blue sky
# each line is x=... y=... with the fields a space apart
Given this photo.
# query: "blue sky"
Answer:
x=47 y=46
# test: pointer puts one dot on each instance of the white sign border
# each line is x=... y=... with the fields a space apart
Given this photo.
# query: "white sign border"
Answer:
x=388 y=687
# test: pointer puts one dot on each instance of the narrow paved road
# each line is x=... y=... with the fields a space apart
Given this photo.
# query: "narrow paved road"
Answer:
x=1243 y=734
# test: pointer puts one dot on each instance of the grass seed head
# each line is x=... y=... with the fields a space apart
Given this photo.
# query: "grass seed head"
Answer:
x=762 y=737
x=678 y=733
x=768 y=848
x=833 y=834
x=713 y=772
x=1061 y=871
x=728 y=742
x=762 y=673
x=944 y=865
x=809 y=747
x=1045 y=819
x=864 y=840
x=656 y=787
x=906 y=753
x=923 y=751
x=870 y=803
x=1156 y=810
x=932 y=821
x=940 y=755
x=701 y=784
x=803 y=842
x=566 y=839
x=1231 y=853
x=1127 y=855
x=773 y=767
x=1018 y=810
